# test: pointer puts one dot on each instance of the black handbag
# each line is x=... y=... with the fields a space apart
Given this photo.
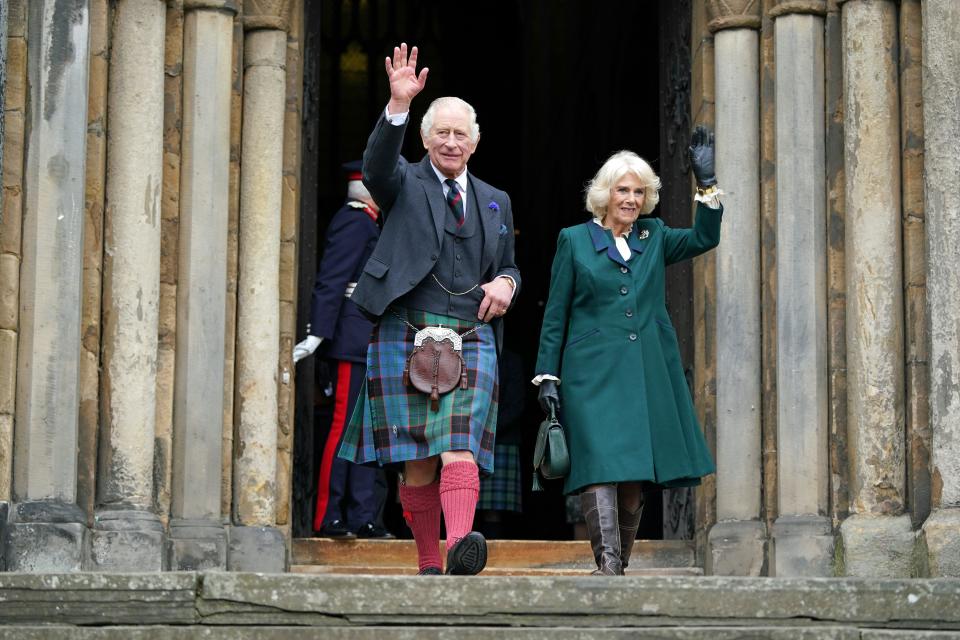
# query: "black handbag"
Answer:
x=551 y=458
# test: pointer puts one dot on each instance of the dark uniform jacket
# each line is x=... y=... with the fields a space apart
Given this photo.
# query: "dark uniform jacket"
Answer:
x=415 y=212
x=350 y=239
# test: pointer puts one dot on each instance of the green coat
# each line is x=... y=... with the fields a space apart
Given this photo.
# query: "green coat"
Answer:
x=606 y=334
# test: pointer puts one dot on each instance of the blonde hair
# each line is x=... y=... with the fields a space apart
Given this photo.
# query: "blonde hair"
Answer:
x=618 y=165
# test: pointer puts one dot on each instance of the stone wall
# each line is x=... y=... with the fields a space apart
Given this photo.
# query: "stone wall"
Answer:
x=95 y=388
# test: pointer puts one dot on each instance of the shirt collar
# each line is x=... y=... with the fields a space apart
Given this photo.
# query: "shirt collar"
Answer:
x=625 y=235
x=460 y=179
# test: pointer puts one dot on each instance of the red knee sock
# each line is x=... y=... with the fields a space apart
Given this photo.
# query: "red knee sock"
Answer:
x=421 y=508
x=459 y=492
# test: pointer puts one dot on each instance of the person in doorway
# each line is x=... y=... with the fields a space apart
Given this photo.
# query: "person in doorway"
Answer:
x=501 y=494
x=629 y=418
x=350 y=497
x=444 y=265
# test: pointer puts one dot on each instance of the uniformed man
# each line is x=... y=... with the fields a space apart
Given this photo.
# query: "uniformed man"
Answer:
x=349 y=496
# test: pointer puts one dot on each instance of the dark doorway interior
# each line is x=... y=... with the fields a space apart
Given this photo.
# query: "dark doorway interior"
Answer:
x=558 y=86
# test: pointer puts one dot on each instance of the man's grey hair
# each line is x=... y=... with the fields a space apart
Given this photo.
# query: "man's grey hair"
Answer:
x=427 y=123
x=356 y=191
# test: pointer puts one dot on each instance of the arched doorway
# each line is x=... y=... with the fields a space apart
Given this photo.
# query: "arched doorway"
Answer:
x=558 y=86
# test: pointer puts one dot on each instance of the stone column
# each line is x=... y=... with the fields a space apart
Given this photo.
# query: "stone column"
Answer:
x=737 y=542
x=877 y=538
x=198 y=539
x=3 y=82
x=47 y=532
x=255 y=542
x=127 y=535
x=802 y=533
x=941 y=86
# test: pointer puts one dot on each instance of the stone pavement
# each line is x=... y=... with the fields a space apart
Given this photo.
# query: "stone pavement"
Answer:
x=219 y=605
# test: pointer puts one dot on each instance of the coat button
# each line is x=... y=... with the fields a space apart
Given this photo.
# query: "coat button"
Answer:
x=433 y=257
x=633 y=337
x=413 y=283
x=624 y=269
x=623 y=290
x=629 y=313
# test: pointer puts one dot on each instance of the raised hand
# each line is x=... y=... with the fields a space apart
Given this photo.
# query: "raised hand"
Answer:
x=405 y=84
x=701 y=156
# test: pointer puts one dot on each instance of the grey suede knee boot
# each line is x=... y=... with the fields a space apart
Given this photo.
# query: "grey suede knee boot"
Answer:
x=629 y=522
x=600 y=513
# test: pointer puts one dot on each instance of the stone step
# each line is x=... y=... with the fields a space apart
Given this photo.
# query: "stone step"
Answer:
x=168 y=606
x=502 y=554
x=318 y=569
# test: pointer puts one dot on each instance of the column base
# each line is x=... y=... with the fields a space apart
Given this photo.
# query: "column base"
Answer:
x=196 y=545
x=46 y=537
x=877 y=547
x=940 y=536
x=737 y=548
x=125 y=541
x=803 y=546
x=257 y=549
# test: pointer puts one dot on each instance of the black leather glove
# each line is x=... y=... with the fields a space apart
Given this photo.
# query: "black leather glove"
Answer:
x=549 y=397
x=701 y=156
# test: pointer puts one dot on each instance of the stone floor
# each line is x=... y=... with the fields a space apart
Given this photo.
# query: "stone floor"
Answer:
x=221 y=605
x=505 y=557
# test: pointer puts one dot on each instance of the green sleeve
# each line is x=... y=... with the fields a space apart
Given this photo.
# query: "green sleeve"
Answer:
x=557 y=311
x=683 y=244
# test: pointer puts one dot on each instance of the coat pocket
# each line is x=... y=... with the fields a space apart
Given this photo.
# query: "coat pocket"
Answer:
x=581 y=337
x=376 y=268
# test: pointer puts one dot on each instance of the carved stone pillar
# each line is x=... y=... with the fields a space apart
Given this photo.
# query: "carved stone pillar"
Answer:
x=47 y=530
x=941 y=86
x=127 y=535
x=255 y=542
x=802 y=533
x=3 y=82
x=737 y=542
x=877 y=538
x=198 y=539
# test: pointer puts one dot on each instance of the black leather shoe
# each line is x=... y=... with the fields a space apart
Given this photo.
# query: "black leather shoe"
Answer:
x=371 y=530
x=336 y=529
x=430 y=571
x=468 y=556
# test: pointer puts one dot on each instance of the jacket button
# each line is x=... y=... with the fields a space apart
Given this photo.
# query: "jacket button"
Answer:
x=629 y=313
x=434 y=258
x=413 y=283
x=623 y=269
x=623 y=290
x=633 y=337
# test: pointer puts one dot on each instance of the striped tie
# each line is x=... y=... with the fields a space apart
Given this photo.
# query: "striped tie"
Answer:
x=454 y=200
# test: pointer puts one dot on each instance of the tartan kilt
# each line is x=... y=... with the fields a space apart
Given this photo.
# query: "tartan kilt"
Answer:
x=502 y=491
x=393 y=423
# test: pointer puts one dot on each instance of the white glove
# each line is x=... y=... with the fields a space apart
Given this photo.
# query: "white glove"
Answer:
x=305 y=348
